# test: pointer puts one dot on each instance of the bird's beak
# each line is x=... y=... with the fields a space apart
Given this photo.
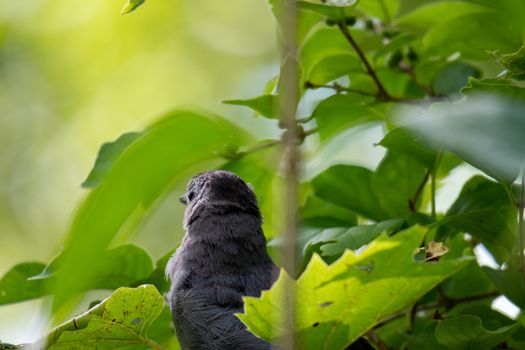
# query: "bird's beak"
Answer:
x=183 y=199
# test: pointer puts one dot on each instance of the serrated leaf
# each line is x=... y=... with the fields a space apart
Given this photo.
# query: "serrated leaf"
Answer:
x=467 y=332
x=122 y=320
x=131 y=6
x=148 y=168
x=515 y=64
x=350 y=187
x=107 y=155
x=338 y=303
x=265 y=105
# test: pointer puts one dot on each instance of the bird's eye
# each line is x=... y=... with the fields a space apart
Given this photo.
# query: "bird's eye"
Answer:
x=191 y=195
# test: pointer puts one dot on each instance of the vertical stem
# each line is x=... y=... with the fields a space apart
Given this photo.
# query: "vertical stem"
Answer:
x=521 y=229
x=288 y=100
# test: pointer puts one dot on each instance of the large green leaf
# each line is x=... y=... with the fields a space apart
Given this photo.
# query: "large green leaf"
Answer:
x=350 y=187
x=396 y=181
x=331 y=67
x=338 y=303
x=163 y=155
x=107 y=155
x=467 y=332
x=399 y=140
x=429 y=15
x=485 y=131
x=384 y=9
x=124 y=265
x=484 y=210
x=471 y=35
x=121 y=321
x=341 y=112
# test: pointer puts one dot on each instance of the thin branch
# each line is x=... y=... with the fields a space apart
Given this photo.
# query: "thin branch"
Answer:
x=337 y=88
x=374 y=338
x=413 y=201
x=521 y=232
x=447 y=303
x=382 y=93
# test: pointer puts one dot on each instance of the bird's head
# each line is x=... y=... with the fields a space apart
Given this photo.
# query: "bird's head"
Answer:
x=219 y=191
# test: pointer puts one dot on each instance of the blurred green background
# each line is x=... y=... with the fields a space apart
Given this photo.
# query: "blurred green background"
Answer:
x=75 y=74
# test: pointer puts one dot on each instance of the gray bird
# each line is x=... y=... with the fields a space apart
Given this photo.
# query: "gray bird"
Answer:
x=221 y=259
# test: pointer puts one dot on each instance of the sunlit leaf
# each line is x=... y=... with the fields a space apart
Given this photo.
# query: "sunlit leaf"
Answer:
x=340 y=302
x=131 y=6
x=158 y=159
x=333 y=11
x=386 y=10
x=430 y=14
x=332 y=67
x=122 y=320
x=467 y=332
x=107 y=155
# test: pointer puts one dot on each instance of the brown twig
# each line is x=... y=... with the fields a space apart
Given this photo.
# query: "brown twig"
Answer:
x=447 y=303
x=337 y=88
x=413 y=201
x=374 y=338
x=382 y=93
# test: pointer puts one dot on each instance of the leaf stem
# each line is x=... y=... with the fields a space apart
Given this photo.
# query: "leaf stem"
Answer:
x=382 y=93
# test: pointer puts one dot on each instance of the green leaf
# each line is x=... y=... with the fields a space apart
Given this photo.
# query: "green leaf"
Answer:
x=131 y=6
x=338 y=303
x=484 y=210
x=349 y=187
x=357 y=236
x=107 y=155
x=467 y=332
x=399 y=140
x=489 y=226
x=396 y=43
x=16 y=285
x=384 y=9
x=493 y=86
x=162 y=156
x=509 y=281
x=158 y=275
x=120 y=321
x=265 y=105
x=305 y=19
x=472 y=35
x=332 y=67
x=485 y=131
x=341 y=112
x=396 y=180
x=453 y=77
x=429 y=15
x=319 y=213
x=514 y=63
x=332 y=11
